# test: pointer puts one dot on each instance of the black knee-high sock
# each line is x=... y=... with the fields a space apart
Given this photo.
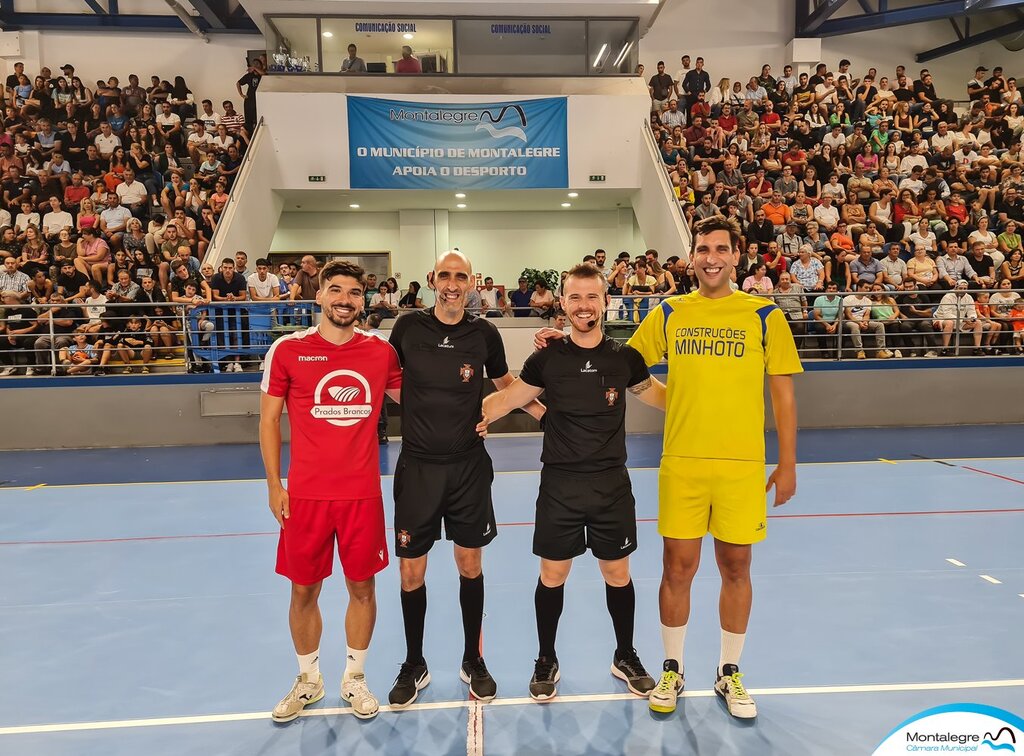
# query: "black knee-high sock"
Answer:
x=622 y=608
x=471 y=599
x=414 y=613
x=548 y=603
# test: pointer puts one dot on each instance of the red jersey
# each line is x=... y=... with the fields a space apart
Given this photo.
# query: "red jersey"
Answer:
x=334 y=395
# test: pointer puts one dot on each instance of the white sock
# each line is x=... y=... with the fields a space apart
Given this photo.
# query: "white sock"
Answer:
x=673 y=639
x=354 y=661
x=732 y=648
x=309 y=665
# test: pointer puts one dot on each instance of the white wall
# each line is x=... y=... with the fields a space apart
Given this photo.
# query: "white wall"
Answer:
x=500 y=244
x=211 y=70
x=735 y=40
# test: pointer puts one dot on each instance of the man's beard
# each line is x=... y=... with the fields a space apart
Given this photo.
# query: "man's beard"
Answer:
x=340 y=322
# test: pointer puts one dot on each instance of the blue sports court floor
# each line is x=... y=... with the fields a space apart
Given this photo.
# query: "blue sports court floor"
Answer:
x=139 y=610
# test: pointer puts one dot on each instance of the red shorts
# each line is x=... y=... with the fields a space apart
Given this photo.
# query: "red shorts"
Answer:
x=305 y=549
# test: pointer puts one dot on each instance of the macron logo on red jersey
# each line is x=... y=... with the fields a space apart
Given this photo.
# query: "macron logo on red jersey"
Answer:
x=313 y=358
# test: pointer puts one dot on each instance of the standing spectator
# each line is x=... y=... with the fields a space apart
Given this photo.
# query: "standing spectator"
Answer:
x=307 y=280
x=263 y=285
x=660 y=88
x=408 y=63
x=520 y=299
x=696 y=82
x=353 y=63
x=251 y=81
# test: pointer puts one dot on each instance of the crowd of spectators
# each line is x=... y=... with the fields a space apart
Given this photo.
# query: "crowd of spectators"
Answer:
x=880 y=188
x=109 y=191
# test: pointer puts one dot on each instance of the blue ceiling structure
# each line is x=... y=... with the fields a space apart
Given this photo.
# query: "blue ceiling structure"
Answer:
x=214 y=18
x=816 y=18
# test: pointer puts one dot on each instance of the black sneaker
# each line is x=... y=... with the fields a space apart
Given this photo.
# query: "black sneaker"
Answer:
x=630 y=670
x=545 y=677
x=481 y=685
x=412 y=678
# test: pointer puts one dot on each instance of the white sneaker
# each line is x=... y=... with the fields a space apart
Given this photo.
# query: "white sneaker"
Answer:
x=663 y=698
x=354 y=691
x=303 y=693
x=30 y=371
x=931 y=353
x=729 y=687
x=9 y=371
x=897 y=354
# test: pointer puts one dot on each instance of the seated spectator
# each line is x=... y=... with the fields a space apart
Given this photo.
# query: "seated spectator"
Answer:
x=542 y=301
x=857 y=311
x=957 y=307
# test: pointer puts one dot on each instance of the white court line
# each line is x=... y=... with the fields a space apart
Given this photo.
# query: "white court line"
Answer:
x=475 y=729
x=956 y=563
x=991 y=579
x=526 y=701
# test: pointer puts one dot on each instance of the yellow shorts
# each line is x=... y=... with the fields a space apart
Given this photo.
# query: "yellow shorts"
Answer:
x=723 y=497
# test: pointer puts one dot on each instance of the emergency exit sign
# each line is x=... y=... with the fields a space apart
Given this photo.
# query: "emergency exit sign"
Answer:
x=597 y=177
x=319 y=179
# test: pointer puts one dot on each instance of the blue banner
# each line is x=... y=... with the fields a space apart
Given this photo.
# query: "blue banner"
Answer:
x=493 y=145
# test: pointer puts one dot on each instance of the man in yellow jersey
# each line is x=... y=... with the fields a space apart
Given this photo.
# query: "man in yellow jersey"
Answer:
x=719 y=344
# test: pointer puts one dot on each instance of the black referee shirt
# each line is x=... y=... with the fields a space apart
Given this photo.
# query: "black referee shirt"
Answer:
x=443 y=380
x=585 y=394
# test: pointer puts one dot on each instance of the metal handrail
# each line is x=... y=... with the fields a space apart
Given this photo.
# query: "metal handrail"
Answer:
x=228 y=213
x=667 y=185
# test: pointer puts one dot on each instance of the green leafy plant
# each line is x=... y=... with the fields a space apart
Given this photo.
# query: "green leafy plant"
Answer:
x=549 y=277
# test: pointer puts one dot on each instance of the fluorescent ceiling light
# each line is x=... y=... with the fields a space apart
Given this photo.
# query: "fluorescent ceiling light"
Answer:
x=622 y=54
x=327 y=35
x=354 y=206
x=574 y=194
x=460 y=195
x=461 y=205
x=566 y=204
x=600 y=55
x=408 y=36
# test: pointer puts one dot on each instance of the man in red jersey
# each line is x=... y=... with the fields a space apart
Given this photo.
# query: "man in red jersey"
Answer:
x=333 y=379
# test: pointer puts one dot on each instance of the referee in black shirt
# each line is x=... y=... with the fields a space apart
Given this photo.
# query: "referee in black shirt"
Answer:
x=585 y=498
x=444 y=473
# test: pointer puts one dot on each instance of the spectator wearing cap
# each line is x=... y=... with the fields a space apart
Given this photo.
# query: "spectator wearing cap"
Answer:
x=976 y=86
x=955 y=307
x=520 y=299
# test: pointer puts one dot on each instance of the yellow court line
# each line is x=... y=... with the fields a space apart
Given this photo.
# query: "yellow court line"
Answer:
x=502 y=472
x=501 y=702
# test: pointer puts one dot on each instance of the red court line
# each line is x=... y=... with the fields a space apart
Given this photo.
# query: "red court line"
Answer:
x=808 y=516
x=994 y=475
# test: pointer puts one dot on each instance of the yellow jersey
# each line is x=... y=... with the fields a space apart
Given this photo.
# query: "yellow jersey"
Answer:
x=718 y=352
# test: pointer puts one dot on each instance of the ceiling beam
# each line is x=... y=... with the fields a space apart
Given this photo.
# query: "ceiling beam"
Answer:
x=96 y=8
x=140 y=23
x=212 y=11
x=934 y=11
x=970 y=41
x=819 y=15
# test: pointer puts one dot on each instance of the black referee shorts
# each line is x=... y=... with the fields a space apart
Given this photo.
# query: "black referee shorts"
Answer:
x=456 y=492
x=580 y=511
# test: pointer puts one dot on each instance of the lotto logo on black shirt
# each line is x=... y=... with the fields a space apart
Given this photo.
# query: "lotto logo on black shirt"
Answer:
x=443 y=380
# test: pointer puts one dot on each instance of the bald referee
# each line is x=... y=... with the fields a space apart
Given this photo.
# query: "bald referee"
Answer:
x=585 y=500
x=444 y=474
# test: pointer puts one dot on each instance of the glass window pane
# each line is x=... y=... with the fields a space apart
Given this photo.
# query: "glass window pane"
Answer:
x=379 y=43
x=291 y=45
x=521 y=47
x=612 y=46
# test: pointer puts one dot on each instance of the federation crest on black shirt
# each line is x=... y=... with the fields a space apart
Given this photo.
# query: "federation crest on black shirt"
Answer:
x=466 y=373
x=611 y=395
